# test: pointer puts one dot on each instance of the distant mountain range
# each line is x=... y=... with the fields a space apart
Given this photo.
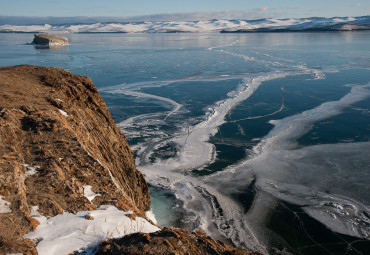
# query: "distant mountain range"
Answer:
x=224 y=26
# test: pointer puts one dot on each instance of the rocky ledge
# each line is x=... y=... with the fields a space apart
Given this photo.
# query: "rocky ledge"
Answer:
x=65 y=166
x=169 y=241
x=51 y=40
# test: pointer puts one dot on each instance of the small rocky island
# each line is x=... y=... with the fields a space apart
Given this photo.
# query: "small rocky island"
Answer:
x=68 y=178
x=51 y=40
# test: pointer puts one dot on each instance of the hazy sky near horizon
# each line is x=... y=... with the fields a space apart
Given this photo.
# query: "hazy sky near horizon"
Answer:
x=228 y=8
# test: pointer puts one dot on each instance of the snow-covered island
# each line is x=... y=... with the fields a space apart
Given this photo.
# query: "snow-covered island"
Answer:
x=51 y=40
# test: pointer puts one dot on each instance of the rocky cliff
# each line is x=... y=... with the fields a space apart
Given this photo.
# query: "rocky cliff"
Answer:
x=57 y=136
x=60 y=153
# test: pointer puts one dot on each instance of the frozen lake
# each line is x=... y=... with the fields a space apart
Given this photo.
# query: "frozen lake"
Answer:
x=261 y=139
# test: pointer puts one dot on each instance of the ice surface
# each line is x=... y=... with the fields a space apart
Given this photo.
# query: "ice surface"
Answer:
x=196 y=150
x=201 y=203
x=287 y=130
x=305 y=176
x=176 y=106
x=207 y=201
x=275 y=165
x=65 y=233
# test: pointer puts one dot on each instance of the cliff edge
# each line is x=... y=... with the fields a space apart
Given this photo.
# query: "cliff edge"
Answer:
x=67 y=172
x=58 y=141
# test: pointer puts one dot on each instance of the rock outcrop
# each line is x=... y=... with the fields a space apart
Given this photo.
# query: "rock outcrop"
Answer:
x=56 y=135
x=61 y=152
x=51 y=40
x=169 y=241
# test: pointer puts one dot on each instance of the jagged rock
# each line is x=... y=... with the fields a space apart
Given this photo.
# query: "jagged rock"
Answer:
x=56 y=136
x=169 y=241
x=46 y=39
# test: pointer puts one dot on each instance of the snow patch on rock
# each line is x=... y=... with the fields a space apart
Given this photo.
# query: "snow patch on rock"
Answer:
x=4 y=206
x=89 y=194
x=32 y=170
x=150 y=216
x=67 y=232
x=63 y=113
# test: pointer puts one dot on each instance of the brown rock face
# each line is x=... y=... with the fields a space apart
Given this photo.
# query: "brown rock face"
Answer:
x=56 y=135
x=169 y=241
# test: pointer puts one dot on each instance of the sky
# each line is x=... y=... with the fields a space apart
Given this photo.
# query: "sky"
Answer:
x=190 y=9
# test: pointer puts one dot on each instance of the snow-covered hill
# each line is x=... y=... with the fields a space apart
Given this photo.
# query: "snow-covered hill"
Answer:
x=303 y=24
